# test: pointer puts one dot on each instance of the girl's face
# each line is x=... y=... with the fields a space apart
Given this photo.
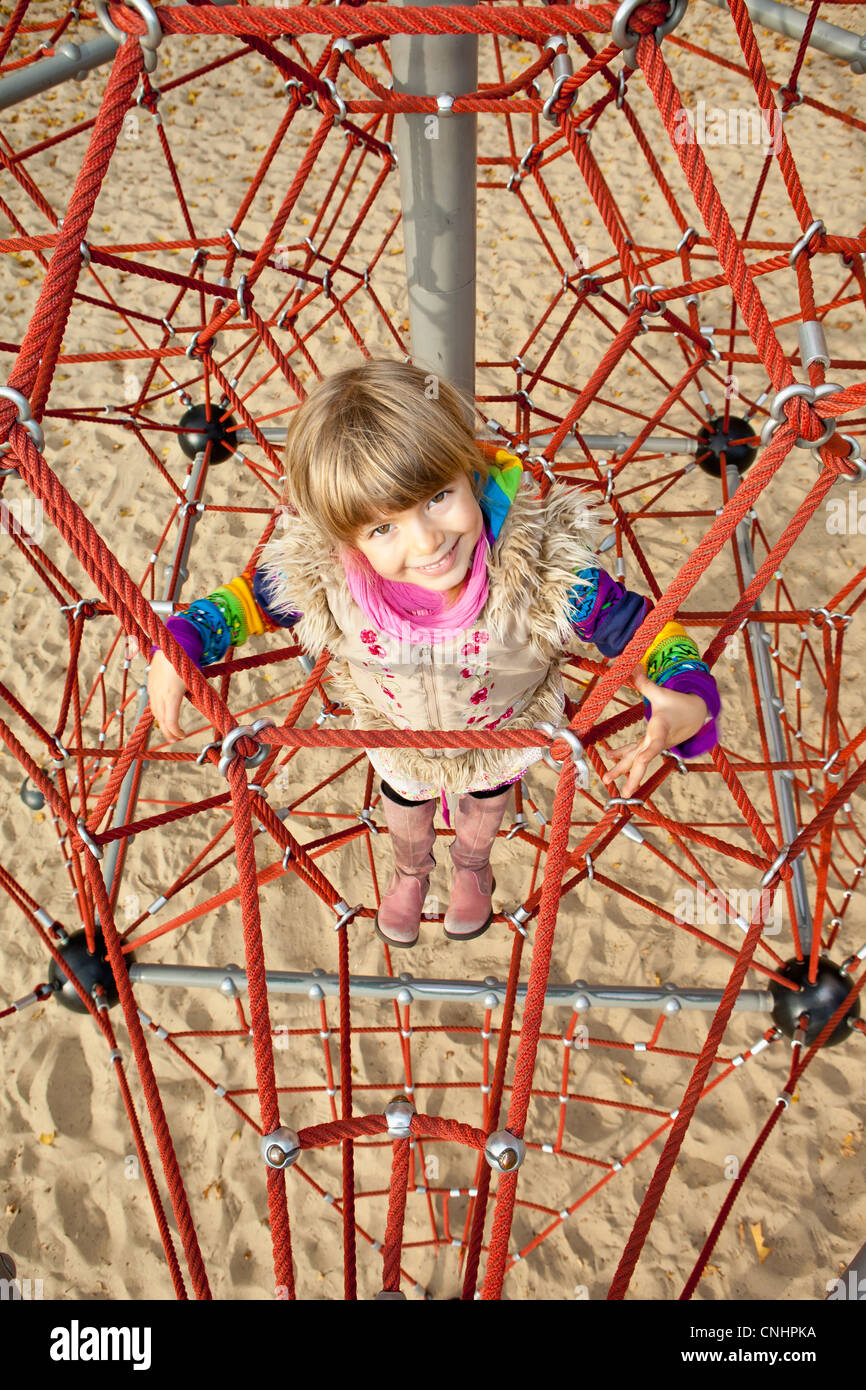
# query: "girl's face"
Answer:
x=431 y=544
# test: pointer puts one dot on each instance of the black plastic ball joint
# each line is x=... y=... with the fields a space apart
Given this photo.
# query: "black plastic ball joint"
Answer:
x=714 y=440
x=198 y=429
x=89 y=969
x=31 y=795
x=819 y=1000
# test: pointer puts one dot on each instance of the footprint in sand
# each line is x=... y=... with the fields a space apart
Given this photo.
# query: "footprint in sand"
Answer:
x=69 y=1091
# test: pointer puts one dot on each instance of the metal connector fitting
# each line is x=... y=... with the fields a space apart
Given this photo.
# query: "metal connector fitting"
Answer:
x=149 y=40
x=628 y=40
x=399 y=1113
x=244 y=731
x=812 y=394
x=25 y=418
x=580 y=765
x=281 y=1149
x=504 y=1151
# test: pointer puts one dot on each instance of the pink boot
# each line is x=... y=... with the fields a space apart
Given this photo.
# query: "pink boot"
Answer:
x=398 y=920
x=477 y=823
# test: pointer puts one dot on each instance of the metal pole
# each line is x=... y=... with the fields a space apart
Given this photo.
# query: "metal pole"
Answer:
x=438 y=170
x=231 y=980
x=69 y=61
x=759 y=640
x=829 y=38
x=613 y=443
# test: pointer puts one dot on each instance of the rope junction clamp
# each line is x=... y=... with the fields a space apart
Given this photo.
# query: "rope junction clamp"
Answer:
x=149 y=41
x=88 y=839
x=685 y=242
x=344 y=912
x=580 y=765
x=305 y=96
x=628 y=40
x=650 y=290
x=517 y=918
x=504 y=1151
x=244 y=731
x=282 y=1148
x=342 y=109
x=25 y=418
x=855 y=457
x=777 y=863
x=801 y=245
x=562 y=70
x=399 y=1114
x=812 y=394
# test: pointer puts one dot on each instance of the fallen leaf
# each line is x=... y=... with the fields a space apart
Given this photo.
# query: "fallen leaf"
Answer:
x=847 y=1150
x=758 y=1237
x=627 y=1079
x=47 y=1138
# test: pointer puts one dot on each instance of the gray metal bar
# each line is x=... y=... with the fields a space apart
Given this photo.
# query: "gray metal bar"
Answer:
x=759 y=640
x=231 y=980
x=829 y=38
x=612 y=443
x=70 y=60
x=438 y=173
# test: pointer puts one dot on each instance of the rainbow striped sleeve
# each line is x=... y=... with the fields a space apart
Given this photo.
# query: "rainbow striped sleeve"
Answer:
x=603 y=612
x=226 y=618
x=504 y=476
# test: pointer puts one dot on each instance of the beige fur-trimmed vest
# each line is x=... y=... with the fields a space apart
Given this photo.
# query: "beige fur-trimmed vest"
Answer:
x=503 y=670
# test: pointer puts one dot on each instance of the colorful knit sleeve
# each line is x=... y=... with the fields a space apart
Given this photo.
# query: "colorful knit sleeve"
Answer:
x=504 y=476
x=603 y=612
x=226 y=618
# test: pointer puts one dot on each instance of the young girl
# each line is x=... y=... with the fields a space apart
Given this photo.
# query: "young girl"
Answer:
x=446 y=591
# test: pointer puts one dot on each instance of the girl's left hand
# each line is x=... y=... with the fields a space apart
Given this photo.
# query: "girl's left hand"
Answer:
x=675 y=718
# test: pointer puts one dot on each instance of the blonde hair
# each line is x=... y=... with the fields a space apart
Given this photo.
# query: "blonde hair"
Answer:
x=375 y=440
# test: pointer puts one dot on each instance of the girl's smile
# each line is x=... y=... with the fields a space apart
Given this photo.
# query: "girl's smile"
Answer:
x=440 y=566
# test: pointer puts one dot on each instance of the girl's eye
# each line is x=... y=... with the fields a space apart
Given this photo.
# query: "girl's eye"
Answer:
x=440 y=496
x=381 y=530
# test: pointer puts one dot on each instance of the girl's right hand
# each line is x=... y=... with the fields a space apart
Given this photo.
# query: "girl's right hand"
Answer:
x=166 y=691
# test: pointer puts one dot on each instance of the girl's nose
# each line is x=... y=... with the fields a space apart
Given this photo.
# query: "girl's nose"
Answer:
x=427 y=539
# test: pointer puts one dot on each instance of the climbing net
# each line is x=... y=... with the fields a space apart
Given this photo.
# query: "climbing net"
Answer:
x=654 y=365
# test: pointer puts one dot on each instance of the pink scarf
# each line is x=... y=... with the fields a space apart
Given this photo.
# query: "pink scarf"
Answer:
x=410 y=612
